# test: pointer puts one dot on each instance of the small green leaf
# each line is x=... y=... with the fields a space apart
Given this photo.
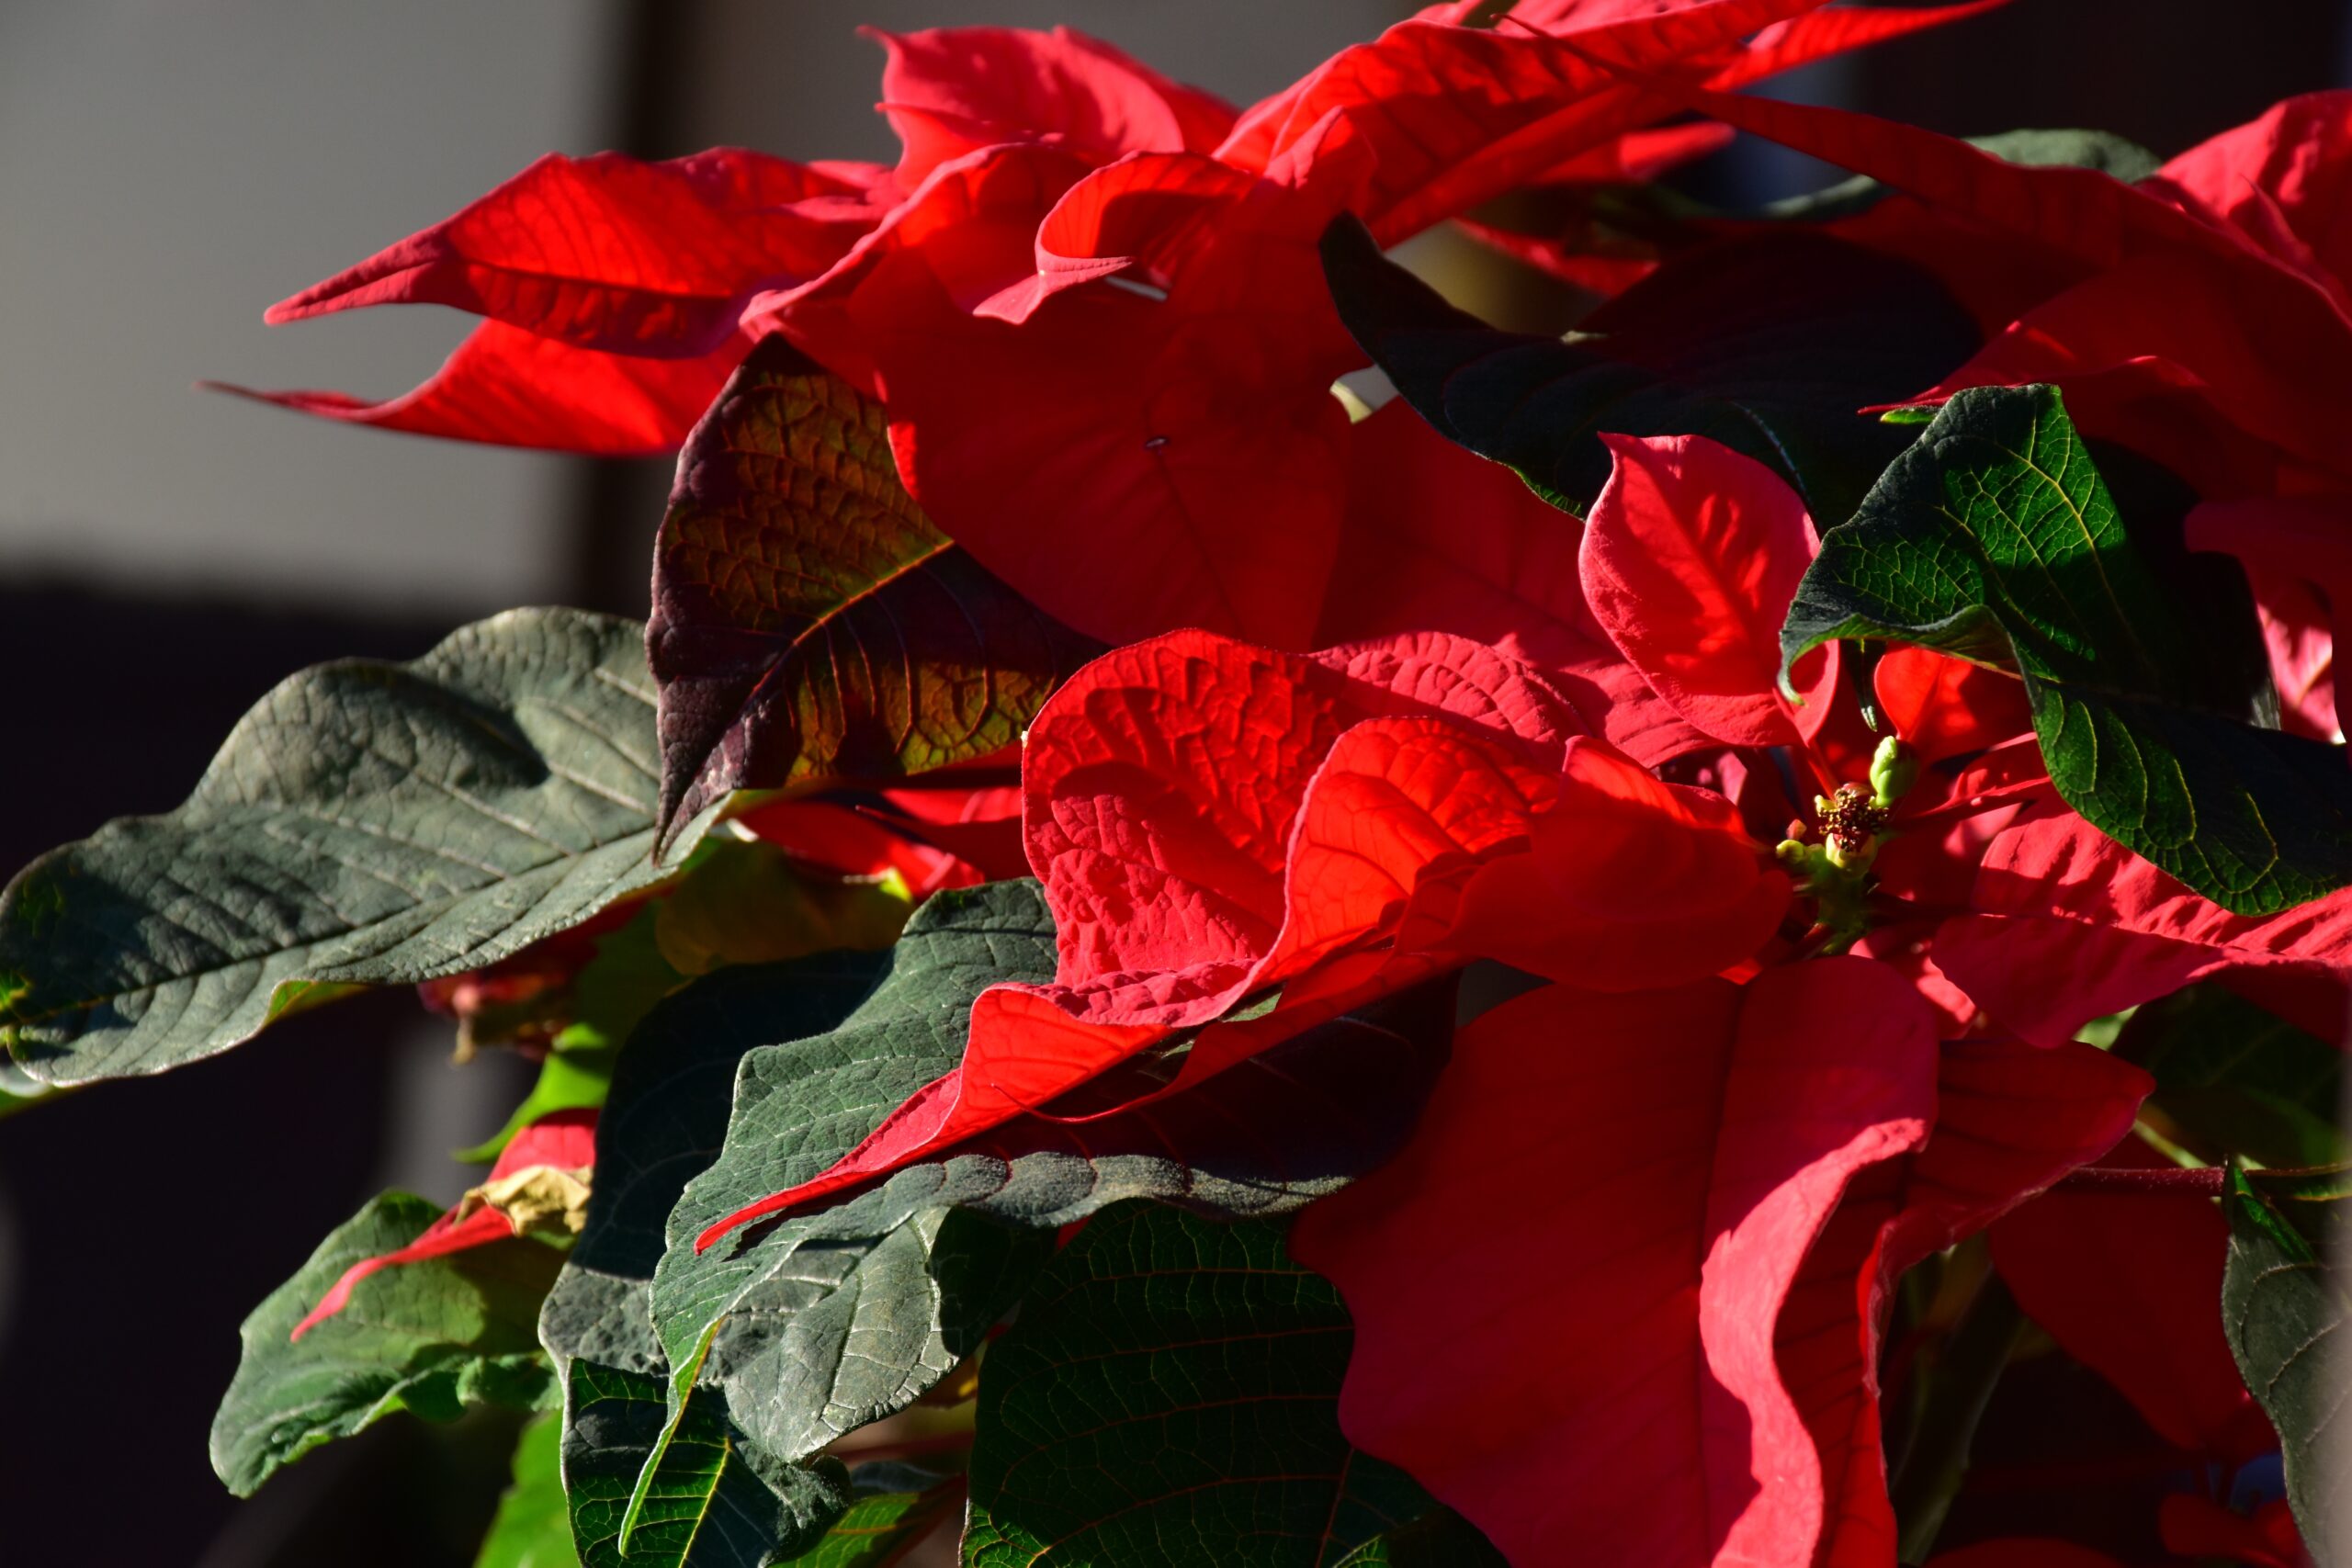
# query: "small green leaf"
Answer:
x=437 y=1337
x=892 y=1509
x=1170 y=1395
x=2235 y=1079
x=533 y=1528
x=716 y=1500
x=1995 y=539
x=808 y=619
x=1768 y=345
x=365 y=824
x=569 y=1080
x=2283 y=1308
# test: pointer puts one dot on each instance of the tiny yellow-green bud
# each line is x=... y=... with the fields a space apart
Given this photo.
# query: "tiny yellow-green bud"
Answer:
x=1894 y=768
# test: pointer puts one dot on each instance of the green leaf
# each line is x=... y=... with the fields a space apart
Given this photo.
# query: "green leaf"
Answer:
x=893 y=1508
x=809 y=620
x=19 y=1090
x=569 y=1080
x=910 y=1292
x=663 y=1122
x=2283 y=1308
x=717 y=1501
x=437 y=1337
x=1169 y=1395
x=533 y=1528
x=738 y=900
x=2235 y=1079
x=1768 y=345
x=365 y=824
x=908 y=1270
x=1995 y=539
x=1442 y=1539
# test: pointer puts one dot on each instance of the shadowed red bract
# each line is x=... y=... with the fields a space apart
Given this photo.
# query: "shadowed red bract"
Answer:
x=1633 y=1413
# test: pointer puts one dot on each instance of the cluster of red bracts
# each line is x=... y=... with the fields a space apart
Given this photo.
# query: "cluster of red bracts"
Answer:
x=1620 y=1299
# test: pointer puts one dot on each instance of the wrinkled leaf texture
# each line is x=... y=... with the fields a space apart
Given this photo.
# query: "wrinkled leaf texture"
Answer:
x=2284 y=1306
x=808 y=621
x=716 y=1500
x=367 y=824
x=435 y=1339
x=1170 y=1395
x=1996 y=539
x=1259 y=1139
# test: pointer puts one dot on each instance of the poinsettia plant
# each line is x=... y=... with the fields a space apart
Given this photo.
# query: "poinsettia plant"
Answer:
x=1227 y=915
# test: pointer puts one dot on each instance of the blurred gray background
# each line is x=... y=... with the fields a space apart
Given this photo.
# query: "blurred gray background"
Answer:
x=170 y=167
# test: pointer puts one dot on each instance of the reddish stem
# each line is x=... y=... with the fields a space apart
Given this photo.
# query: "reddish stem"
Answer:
x=2203 y=1181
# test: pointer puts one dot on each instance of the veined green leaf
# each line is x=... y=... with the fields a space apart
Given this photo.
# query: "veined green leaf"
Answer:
x=664 y=1117
x=718 y=1501
x=2235 y=1079
x=809 y=620
x=834 y=1316
x=1996 y=539
x=815 y=1330
x=533 y=1528
x=2284 y=1307
x=1169 y=1393
x=891 y=1508
x=738 y=900
x=365 y=824
x=437 y=1337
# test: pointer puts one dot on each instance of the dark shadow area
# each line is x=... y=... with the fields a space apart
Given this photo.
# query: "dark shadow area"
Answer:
x=145 y=1218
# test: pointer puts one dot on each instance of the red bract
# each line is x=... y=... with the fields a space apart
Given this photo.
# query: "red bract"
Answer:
x=514 y=388
x=1433 y=536
x=1691 y=557
x=1946 y=708
x=1179 y=460
x=2271 y=315
x=2199 y=1526
x=561 y=1144
x=2010 y=1120
x=949 y=91
x=2289 y=546
x=2072 y=926
x=1565 y=1287
x=2126 y=1283
x=1214 y=822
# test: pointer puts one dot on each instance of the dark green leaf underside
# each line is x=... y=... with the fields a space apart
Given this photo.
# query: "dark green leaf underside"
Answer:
x=785 y=1310
x=365 y=824
x=2284 y=1309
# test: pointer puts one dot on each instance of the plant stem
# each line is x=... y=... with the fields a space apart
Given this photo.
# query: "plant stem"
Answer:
x=1929 y=1479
